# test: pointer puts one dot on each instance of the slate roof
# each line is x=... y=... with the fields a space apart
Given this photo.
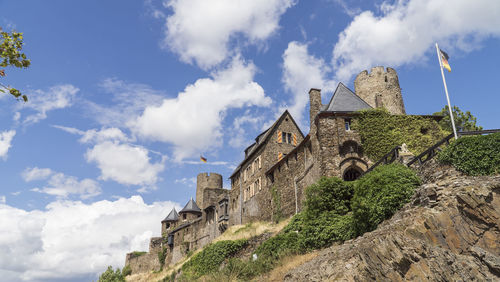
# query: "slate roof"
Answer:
x=191 y=206
x=344 y=100
x=172 y=216
x=262 y=138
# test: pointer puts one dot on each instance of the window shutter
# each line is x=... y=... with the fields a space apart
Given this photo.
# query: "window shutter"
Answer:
x=294 y=139
x=280 y=156
x=280 y=138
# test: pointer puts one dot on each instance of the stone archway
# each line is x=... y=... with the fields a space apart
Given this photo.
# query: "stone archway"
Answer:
x=352 y=173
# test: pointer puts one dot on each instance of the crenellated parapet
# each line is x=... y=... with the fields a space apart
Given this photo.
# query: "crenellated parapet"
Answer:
x=380 y=89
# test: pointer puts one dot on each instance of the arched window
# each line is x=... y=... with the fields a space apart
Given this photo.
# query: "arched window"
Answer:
x=351 y=174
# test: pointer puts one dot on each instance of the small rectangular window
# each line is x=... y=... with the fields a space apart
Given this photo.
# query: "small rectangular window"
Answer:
x=347 y=124
x=289 y=138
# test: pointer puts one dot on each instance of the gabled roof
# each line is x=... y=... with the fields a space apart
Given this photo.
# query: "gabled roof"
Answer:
x=262 y=139
x=191 y=206
x=172 y=216
x=344 y=100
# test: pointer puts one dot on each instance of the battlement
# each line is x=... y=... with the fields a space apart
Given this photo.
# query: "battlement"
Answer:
x=376 y=71
x=204 y=181
x=380 y=89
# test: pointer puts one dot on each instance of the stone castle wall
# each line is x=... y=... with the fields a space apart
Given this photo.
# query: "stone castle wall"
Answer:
x=330 y=149
x=380 y=88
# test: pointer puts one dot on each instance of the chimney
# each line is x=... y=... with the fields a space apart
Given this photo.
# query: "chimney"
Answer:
x=314 y=104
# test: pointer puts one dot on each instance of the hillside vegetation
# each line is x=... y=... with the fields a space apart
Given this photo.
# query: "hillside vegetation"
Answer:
x=334 y=211
x=474 y=155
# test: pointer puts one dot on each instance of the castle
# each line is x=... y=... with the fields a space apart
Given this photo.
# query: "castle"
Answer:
x=270 y=182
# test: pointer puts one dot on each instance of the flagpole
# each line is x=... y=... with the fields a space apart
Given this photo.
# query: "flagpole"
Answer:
x=446 y=91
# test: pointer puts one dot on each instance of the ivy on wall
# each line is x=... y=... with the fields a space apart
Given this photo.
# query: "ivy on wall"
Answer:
x=380 y=132
x=276 y=198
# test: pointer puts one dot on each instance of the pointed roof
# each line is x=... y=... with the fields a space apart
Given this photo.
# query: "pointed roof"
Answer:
x=172 y=216
x=344 y=100
x=263 y=137
x=191 y=206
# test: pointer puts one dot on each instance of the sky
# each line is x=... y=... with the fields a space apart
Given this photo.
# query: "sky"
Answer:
x=124 y=97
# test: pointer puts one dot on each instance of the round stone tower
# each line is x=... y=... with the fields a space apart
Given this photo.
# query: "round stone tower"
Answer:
x=380 y=89
x=204 y=181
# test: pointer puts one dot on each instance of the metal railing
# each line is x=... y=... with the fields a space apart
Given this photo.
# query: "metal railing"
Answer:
x=434 y=149
x=386 y=159
x=428 y=154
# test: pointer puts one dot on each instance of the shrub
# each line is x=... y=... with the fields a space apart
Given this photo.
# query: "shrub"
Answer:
x=210 y=259
x=111 y=276
x=380 y=193
x=328 y=195
x=474 y=155
x=126 y=271
x=380 y=132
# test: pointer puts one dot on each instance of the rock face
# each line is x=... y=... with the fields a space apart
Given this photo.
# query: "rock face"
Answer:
x=450 y=231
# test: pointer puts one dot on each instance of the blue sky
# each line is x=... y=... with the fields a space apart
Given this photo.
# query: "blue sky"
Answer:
x=125 y=96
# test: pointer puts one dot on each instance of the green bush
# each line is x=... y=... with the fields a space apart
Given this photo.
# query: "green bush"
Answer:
x=380 y=132
x=210 y=259
x=111 y=276
x=328 y=195
x=380 y=193
x=126 y=271
x=474 y=155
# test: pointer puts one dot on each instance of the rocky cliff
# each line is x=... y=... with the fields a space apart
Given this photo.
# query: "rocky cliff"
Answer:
x=450 y=231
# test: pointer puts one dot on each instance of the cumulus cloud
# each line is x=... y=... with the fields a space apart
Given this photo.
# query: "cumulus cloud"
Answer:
x=238 y=137
x=124 y=163
x=41 y=101
x=301 y=72
x=3 y=200
x=61 y=185
x=128 y=100
x=192 y=121
x=5 y=142
x=70 y=239
x=406 y=30
x=201 y=31
x=35 y=173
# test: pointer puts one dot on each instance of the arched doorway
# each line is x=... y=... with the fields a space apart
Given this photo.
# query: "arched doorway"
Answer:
x=351 y=174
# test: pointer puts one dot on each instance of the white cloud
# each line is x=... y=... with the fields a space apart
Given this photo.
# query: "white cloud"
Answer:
x=57 y=97
x=70 y=239
x=406 y=30
x=128 y=102
x=124 y=163
x=301 y=72
x=5 y=142
x=201 y=31
x=61 y=185
x=35 y=173
x=238 y=137
x=192 y=121
x=3 y=200
x=189 y=182
x=95 y=135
